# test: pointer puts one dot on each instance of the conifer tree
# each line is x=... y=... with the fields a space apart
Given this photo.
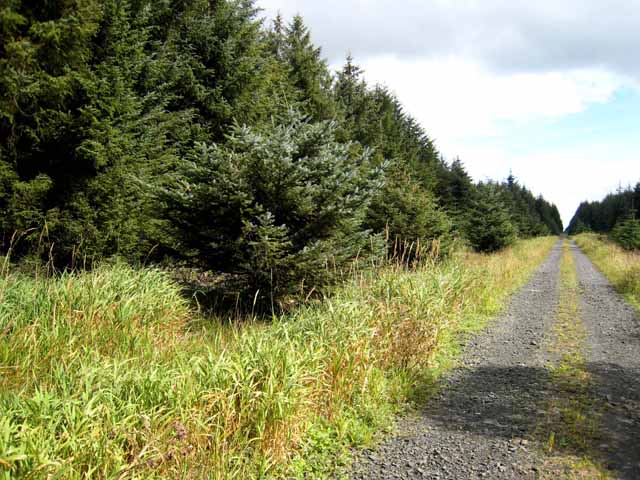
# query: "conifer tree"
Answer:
x=283 y=205
x=308 y=71
x=458 y=189
x=602 y=216
x=489 y=226
x=354 y=103
x=409 y=215
x=99 y=99
x=130 y=126
x=275 y=38
x=211 y=60
x=627 y=233
x=45 y=54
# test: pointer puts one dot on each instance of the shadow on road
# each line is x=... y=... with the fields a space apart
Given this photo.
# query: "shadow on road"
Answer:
x=513 y=402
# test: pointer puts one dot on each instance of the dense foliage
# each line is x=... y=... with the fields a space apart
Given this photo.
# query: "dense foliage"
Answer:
x=616 y=214
x=532 y=216
x=281 y=204
x=193 y=131
x=627 y=234
x=489 y=227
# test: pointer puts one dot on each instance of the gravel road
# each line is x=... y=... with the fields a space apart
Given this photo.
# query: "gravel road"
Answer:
x=480 y=425
x=613 y=353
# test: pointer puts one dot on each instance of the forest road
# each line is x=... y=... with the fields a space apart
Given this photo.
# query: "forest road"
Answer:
x=483 y=421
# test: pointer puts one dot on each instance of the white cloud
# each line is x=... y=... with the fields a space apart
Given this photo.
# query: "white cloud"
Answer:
x=470 y=112
x=543 y=35
x=456 y=99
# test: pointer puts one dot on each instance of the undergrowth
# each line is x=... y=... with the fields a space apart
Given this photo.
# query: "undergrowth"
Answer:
x=110 y=374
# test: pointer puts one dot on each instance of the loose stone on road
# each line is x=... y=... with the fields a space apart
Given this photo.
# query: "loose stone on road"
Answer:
x=482 y=422
x=613 y=352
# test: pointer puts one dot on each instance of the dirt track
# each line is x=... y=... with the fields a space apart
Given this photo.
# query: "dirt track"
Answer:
x=482 y=423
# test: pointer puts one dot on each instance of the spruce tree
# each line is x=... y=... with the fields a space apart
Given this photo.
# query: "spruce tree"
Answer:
x=413 y=223
x=308 y=71
x=603 y=216
x=354 y=104
x=211 y=60
x=456 y=191
x=131 y=126
x=45 y=56
x=282 y=205
x=627 y=232
x=489 y=226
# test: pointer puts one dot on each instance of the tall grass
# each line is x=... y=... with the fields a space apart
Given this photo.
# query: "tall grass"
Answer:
x=109 y=374
x=621 y=267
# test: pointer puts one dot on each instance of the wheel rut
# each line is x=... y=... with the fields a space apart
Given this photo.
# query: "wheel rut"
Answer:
x=613 y=359
x=483 y=422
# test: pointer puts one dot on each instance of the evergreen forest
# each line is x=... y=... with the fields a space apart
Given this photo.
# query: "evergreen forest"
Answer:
x=224 y=256
x=615 y=215
x=194 y=133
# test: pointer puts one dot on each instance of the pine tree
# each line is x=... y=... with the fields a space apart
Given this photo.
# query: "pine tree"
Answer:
x=627 y=233
x=283 y=205
x=45 y=55
x=489 y=226
x=308 y=71
x=409 y=215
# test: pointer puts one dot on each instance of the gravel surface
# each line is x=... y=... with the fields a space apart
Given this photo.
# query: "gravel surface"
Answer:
x=613 y=359
x=480 y=425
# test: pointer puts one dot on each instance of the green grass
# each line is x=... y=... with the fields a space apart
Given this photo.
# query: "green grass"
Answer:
x=110 y=374
x=620 y=266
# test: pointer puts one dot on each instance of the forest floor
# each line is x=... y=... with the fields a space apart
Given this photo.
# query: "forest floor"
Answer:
x=550 y=389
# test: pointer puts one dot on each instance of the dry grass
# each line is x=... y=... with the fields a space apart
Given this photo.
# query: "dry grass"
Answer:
x=620 y=266
x=109 y=374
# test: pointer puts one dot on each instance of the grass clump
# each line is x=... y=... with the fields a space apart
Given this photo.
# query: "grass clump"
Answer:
x=109 y=374
x=620 y=266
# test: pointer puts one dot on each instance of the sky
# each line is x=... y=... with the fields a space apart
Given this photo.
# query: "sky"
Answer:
x=549 y=90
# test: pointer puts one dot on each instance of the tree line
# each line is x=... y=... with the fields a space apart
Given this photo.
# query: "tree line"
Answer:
x=616 y=215
x=194 y=132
